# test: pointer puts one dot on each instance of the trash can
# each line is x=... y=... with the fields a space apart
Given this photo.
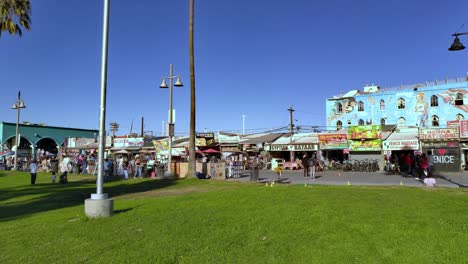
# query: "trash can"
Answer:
x=254 y=173
x=160 y=171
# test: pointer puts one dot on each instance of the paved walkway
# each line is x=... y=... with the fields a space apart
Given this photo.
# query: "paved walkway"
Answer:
x=443 y=179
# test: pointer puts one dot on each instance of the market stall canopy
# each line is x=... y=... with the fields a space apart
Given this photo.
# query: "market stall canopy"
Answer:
x=9 y=153
x=123 y=151
x=210 y=151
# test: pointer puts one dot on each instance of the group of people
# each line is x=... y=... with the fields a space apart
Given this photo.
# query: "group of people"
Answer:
x=311 y=165
x=53 y=168
x=419 y=166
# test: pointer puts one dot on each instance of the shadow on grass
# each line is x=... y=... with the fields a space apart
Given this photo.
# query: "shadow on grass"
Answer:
x=56 y=196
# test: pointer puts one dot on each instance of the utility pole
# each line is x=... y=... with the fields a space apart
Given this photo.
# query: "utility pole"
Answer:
x=291 y=126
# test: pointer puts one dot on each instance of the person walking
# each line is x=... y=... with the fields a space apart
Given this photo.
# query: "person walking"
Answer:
x=430 y=162
x=54 y=168
x=305 y=164
x=106 y=170
x=408 y=163
x=33 y=168
x=126 y=168
x=137 y=168
x=313 y=163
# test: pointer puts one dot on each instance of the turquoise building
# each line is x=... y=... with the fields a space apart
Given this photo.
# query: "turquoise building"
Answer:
x=37 y=136
x=427 y=105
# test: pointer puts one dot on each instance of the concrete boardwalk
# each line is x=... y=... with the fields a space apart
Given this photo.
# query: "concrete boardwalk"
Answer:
x=443 y=179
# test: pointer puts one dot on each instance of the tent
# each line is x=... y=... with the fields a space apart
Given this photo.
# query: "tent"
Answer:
x=210 y=151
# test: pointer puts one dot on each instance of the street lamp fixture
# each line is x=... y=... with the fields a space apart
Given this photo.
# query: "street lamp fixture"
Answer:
x=163 y=85
x=17 y=105
x=457 y=45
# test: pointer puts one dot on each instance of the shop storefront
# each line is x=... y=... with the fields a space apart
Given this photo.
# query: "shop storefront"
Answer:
x=401 y=142
x=365 y=143
x=444 y=145
x=333 y=146
x=293 y=148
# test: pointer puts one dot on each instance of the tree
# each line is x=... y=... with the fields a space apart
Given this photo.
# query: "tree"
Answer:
x=14 y=15
x=192 y=161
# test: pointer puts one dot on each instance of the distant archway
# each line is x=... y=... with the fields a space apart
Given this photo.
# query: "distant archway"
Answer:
x=46 y=145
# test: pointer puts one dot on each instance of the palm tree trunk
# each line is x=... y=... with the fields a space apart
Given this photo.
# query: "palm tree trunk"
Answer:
x=192 y=161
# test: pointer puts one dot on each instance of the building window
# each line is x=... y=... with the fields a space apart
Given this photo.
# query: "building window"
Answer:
x=339 y=125
x=360 y=106
x=361 y=122
x=435 y=121
x=382 y=105
x=382 y=121
x=459 y=99
x=401 y=103
x=339 y=108
x=434 y=100
x=349 y=121
x=401 y=122
x=460 y=117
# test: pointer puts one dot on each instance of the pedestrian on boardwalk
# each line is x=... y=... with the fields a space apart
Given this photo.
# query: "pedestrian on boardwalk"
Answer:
x=430 y=162
x=305 y=164
x=313 y=163
x=126 y=168
x=33 y=168
x=408 y=162
x=54 y=168
x=430 y=181
x=137 y=168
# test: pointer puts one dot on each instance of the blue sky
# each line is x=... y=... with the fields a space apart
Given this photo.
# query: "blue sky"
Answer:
x=256 y=58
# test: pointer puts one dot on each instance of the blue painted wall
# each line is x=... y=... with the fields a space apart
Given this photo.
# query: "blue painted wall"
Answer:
x=417 y=106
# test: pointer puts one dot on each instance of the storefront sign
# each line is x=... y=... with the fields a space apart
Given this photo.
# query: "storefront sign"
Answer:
x=205 y=139
x=464 y=128
x=439 y=133
x=440 y=144
x=445 y=159
x=364 y=132
x=160 y=145
x=404 y=144
x=333 y=141
x=365 y=145
x=128 y=142
x=298 y=147
x=453 y=123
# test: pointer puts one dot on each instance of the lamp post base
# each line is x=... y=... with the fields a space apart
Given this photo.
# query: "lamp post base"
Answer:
x=97 y=208
x=169 y=175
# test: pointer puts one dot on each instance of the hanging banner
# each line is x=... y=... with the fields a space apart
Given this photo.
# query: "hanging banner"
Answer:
x=333 y=141
x=161 y=145
x=364 y=132
x=464 y=128
x=205 y=139
x=365 y=145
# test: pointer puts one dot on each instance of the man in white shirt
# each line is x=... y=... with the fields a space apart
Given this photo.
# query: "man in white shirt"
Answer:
x=430 y=182
x=33 y=168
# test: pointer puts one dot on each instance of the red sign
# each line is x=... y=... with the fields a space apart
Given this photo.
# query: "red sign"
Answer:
x=464 y=128
x=439 y=133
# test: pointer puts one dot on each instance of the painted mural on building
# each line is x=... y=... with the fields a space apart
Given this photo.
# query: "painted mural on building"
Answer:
x=428 y=106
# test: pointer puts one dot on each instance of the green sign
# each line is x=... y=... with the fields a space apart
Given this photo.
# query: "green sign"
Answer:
x=364 y=132
x=365 y=145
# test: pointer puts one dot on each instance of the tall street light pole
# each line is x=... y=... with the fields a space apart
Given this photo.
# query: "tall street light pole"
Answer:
x=17 y=105
x=178 y=83
x=100 y=205
x=457 y=45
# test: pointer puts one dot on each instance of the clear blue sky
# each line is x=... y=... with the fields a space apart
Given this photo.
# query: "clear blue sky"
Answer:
x=252 y=57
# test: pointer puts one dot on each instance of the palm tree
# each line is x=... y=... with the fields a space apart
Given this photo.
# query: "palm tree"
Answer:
x=15 y=14
x=192 y=161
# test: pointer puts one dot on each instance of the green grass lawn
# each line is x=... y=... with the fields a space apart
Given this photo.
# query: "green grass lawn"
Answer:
x=204 y=221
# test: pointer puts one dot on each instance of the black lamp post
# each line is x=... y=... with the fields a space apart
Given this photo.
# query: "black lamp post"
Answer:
x=457 y=45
